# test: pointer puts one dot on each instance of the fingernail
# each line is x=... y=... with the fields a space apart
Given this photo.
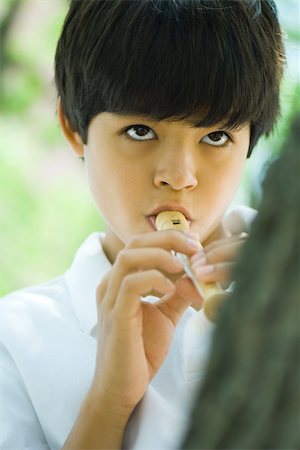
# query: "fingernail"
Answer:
x=200 y=261
x=195 y=244
x=194 y=236
x=198 y=255
x=204 y=270
x=177 y=261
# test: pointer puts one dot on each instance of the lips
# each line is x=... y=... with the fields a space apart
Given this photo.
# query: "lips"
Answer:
x=152 y=219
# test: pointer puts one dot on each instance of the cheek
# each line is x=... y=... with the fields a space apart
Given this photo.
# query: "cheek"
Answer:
x=227 y=180
x=111 y=183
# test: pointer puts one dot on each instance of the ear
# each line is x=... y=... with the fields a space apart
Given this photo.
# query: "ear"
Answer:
x=72 y=137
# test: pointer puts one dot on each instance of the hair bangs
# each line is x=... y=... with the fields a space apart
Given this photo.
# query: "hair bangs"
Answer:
x=172 y=67
x=204 y=61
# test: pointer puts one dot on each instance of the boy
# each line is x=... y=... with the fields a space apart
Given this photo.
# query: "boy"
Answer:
x=164 y=101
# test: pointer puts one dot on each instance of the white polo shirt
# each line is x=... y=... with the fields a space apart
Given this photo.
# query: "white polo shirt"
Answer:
x=47 y=360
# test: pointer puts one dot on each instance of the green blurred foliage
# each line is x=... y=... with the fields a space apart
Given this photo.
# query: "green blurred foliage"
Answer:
x=46 y=210
x=45 y=207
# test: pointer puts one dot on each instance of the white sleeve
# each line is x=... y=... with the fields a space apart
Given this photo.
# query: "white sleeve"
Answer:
x=19 y=425
x=239 y=219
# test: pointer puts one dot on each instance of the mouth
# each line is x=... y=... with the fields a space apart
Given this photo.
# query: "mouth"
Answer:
x=152 y=217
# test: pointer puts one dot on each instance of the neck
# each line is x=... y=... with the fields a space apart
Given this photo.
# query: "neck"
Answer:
x=111 y=245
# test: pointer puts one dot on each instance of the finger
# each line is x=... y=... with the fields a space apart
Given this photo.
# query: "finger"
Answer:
x=147 y=247
x=185 y=288
x=211 y=273
x=177 y=241
x=220 y=242
x=134 y=260
x=228 y=251
x=102 y=287
x=136 y=285
x=174 y=305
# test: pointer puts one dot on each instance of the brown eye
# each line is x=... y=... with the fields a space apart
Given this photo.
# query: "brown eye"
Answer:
x=140 y=133
x=216 y=139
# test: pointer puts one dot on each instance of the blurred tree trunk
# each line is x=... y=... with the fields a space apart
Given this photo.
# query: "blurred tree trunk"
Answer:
x=250 y=398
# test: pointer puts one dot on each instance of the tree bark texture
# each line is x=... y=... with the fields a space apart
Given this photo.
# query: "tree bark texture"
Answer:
x=250 y=398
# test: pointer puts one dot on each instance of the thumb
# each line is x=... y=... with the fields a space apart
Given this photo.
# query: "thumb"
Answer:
x=174 y=305
x=185 y=288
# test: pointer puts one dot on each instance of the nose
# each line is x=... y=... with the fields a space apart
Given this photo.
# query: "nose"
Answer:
x=176 y=168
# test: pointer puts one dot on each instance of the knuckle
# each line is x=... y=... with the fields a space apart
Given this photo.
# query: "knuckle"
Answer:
x=128 y=282
x=123 y=257
x=102 y=286
x=213 y=253
x=135 y=241
x=162 y=255
x=100 y=291
x=158 y=279
x=173 y=238
x=175 y=234
x=155 y=273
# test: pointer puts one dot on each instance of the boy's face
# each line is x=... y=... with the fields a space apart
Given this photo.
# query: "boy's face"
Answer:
x=136 y=166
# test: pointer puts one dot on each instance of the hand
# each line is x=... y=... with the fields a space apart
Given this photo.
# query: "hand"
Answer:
x=134 y=336
x=215 y=263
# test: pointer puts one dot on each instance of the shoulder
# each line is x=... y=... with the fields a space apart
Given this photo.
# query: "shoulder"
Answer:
x=21 y=310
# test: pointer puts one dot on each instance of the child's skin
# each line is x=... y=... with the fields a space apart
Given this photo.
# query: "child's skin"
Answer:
x=177 y=166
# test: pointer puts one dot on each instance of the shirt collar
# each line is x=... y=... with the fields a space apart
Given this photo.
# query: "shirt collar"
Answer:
x=87 y=270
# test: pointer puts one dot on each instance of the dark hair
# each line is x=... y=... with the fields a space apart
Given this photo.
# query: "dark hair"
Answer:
x=210 y=60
